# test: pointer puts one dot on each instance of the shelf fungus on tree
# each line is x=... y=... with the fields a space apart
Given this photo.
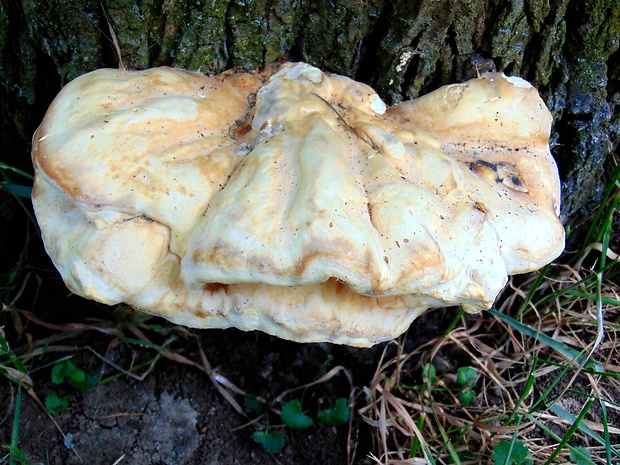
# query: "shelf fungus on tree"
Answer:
x=293 y=201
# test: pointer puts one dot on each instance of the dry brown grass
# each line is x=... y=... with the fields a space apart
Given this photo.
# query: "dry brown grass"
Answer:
x=526 y=390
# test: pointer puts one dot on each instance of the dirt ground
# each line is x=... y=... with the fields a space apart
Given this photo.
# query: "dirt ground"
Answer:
x=175 y=415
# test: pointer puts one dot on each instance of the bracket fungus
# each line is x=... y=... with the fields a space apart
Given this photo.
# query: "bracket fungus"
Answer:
x=293 y=201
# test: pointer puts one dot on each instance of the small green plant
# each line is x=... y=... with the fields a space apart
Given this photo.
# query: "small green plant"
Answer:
x=65 y=371
x=19 y=191
x=292 y=416
x=56 y=404
x=581 y=456
x=511 y=453
x=429 y=374
x=10 y=365
x=17 y=456
x=337 y=415
x=273 y=441
x=466 y=378
x=253 y=406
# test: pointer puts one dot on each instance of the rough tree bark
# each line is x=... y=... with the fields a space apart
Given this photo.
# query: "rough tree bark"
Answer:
x=403 y=48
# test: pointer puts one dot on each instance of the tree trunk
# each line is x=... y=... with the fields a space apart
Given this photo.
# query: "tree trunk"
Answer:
x=403 y=48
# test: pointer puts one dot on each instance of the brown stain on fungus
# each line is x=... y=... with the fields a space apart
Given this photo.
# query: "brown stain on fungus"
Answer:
x=499 y=173
x=240 y=130
x=481 y=207
x=214 y=288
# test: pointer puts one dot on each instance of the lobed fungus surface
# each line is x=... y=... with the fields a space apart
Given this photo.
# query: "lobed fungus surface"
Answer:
x=294 y=201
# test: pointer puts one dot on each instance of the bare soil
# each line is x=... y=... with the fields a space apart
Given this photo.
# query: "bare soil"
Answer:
x=175 y=415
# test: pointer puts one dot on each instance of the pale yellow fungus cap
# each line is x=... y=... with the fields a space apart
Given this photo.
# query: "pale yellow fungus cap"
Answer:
x=293 y=201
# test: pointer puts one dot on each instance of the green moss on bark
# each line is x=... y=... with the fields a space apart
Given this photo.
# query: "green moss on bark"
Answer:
x=69 y=32
x=538 y=11
x=551 y=40
x=131 y=23
x=248 y=24
x=332 y=32
x=415 y=45
x=285 y=24
x=510 y=36
x=17 y=59
x=202 y=37
x=467 y=29
x=585 y=127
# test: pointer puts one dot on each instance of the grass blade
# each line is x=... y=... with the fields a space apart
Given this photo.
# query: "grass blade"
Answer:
x=608 y=446
x=572 y=354
x=595 y=232
x=15 y=429
x=22 y=191
x=577 y=424
x=554 y=436
x=4 y=166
